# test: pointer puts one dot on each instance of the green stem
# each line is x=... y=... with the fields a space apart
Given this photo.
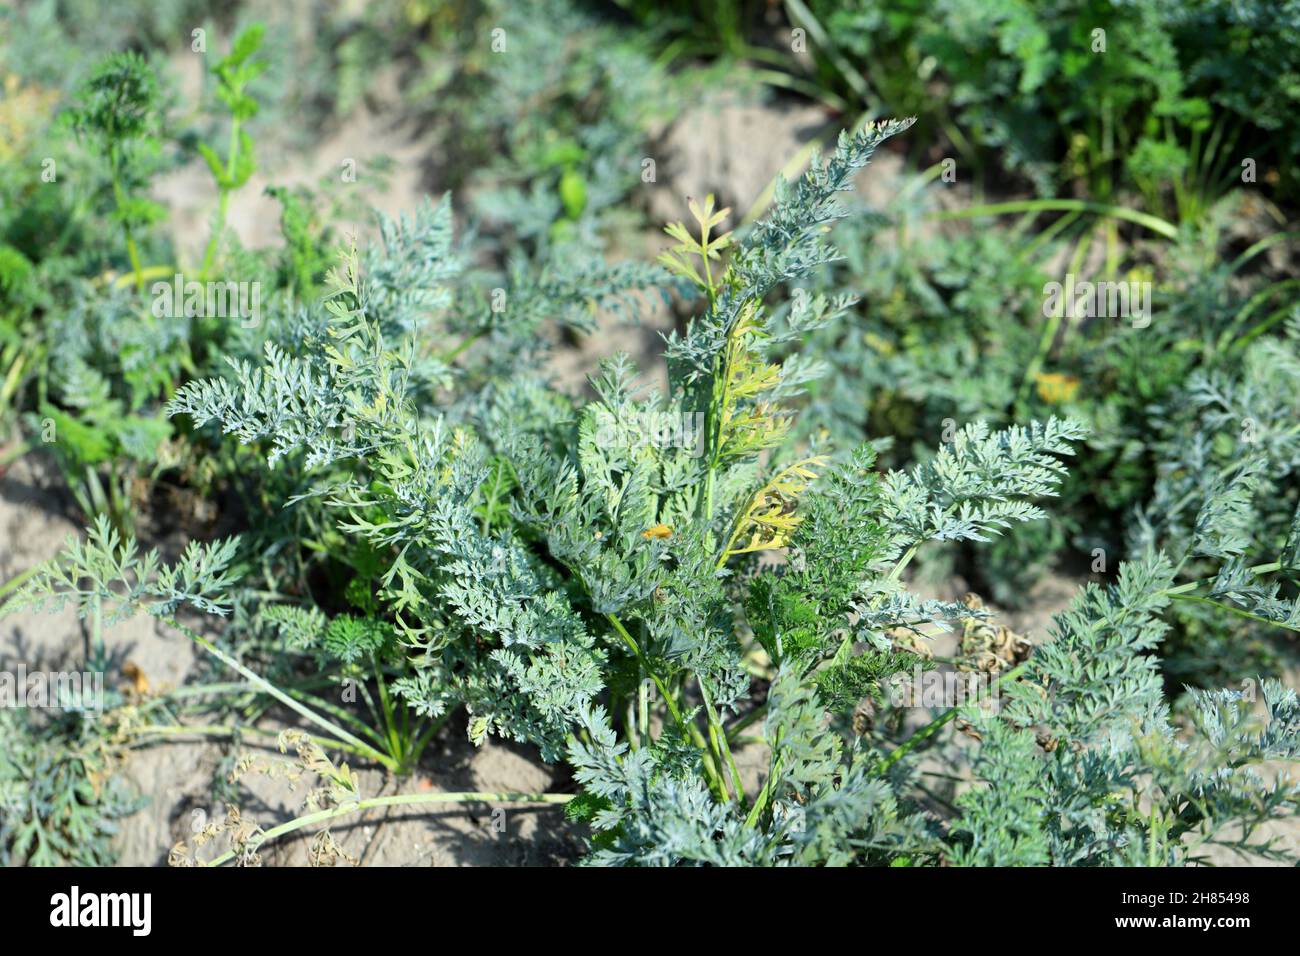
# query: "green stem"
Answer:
x=408 y=799
x=1268 y=568
x=97 y=629
x=1153 y=223
x=9 y=388
x=643 y=711
x=422 y=741
x=1261 y=246
x=804 y=87
x=165 y=271
x=930 y=729
x=1051 y=327
x=394 y=737
x=1268 y=322
x=738 y=725
x=335 y=711
x=1239 y=612
x=202 y=730
x=796 y=164
x=214 y=689
x=645 y=664
x=181 y=730
x=17 y=581
x=765 y=792
x=903 y=562
x=449 y=357
x=267 y=687
x=232 y=155
x=799 y=13
x=719 y=737
x=119 y=197
x=1047 y=235
x=711 y=771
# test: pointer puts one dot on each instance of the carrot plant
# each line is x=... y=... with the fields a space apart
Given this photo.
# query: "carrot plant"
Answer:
x=233 y=73
x=952 y=328
x=707 y=622
x=118 y=111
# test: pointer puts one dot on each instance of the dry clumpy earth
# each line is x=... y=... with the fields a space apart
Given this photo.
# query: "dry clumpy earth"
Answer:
x=177 y=776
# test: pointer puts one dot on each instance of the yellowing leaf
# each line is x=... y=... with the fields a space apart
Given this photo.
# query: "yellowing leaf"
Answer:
x=678 y=259
x=770 y=519
x=136 y=675
x=706 y=217
x=1055 y=387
